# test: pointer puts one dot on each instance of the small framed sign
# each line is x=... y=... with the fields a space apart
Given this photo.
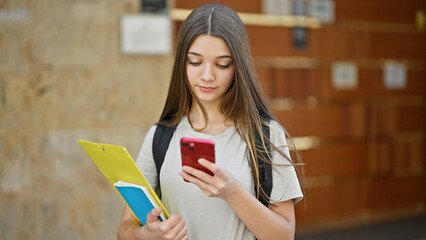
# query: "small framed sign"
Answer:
x=145 y=34
x=277 y=7
x=322 y=10
x=394 y=75
x=344 y=75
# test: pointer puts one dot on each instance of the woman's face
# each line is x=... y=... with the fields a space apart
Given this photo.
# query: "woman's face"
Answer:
x=209 y=68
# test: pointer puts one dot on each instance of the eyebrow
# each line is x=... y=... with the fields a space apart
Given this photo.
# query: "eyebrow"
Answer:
x=199 y=55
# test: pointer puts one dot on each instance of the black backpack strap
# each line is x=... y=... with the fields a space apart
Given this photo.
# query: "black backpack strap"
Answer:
x=265 y=169
x=160 y=144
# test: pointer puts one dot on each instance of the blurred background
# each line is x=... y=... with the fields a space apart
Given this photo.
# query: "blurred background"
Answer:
x=346 y=78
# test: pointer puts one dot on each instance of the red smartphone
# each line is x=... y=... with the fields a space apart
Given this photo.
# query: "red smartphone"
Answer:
x=193 y=149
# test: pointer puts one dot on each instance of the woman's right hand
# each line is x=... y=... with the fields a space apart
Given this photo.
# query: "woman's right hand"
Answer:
x=172 y=228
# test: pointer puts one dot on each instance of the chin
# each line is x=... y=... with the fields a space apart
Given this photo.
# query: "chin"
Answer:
x=207 y=100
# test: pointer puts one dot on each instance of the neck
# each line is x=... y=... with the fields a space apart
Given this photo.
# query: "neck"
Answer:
x=217 y=122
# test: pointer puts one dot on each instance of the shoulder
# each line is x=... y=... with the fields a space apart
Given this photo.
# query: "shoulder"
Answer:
x=277 y=134
x=276 y=129
x=147 y=143
x=275 y=125
x=151 y=131
x=149 y=136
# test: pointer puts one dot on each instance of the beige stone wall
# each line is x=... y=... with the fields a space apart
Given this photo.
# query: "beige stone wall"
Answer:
x=62 y=78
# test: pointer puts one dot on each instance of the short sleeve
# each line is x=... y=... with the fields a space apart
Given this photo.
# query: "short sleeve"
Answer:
x=145 y=159
x=285 y=181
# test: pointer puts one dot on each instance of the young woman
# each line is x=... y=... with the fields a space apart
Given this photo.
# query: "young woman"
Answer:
x=215 y=94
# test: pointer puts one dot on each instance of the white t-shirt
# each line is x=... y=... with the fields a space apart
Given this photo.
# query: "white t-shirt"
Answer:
x=207 y=217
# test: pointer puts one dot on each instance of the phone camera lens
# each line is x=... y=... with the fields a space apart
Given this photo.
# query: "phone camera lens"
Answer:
x=191 y=148
x=185 y=144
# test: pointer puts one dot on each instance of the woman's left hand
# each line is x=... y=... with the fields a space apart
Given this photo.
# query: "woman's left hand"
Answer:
x=222 y=184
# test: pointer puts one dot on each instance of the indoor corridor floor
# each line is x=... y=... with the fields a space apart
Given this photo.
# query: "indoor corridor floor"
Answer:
x=405 y=229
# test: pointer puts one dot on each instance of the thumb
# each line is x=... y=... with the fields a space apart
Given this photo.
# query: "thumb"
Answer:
x=153 y=215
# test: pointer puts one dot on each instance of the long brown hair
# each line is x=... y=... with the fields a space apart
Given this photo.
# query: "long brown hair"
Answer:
x=244 y=103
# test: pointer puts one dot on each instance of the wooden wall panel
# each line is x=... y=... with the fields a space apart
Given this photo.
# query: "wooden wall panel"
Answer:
x=328 y=202
x=388 y=193
x=337 y=160
x=267 y=81
x=397 y=157
x=252 y=6
x=415 y=85
x=327 y=121
x=303 y=83
x=330 y=92
x=397 y=45
x=292 y=83
x=394 y=119
x=407 y=158
x=394 y=11
x=328 y=43
x=333 y=43
x=344 y=43
x=262 y=38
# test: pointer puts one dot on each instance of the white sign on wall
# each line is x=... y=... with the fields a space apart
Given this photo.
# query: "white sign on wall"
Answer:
x=322 y=10
x=344 y=75
x=277 y=7
x=145 y=34
x=394 y=75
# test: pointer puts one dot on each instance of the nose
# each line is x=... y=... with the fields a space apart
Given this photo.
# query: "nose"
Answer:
x=208 y=73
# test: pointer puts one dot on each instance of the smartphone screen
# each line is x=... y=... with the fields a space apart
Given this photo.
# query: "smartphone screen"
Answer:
x=193 y=149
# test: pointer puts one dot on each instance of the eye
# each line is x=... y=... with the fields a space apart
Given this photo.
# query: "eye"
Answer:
x=194 y=63
x=223 y=66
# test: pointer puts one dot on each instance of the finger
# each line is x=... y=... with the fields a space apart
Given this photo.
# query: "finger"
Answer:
x=186 y=176
x=171 y=223
x=153 y=215
x=216 y=170
x=207 y=187
x=183 y=234
x=197 y=173
x=190 y=175
x=177 y=230
x=207 y=164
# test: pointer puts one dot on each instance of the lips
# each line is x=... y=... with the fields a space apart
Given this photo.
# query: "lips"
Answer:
x=206 y=89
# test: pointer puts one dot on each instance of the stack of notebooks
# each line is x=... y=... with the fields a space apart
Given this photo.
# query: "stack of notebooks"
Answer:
x=121 y=171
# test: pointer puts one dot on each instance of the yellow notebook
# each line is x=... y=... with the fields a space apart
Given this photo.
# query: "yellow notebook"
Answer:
x=118 y=167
